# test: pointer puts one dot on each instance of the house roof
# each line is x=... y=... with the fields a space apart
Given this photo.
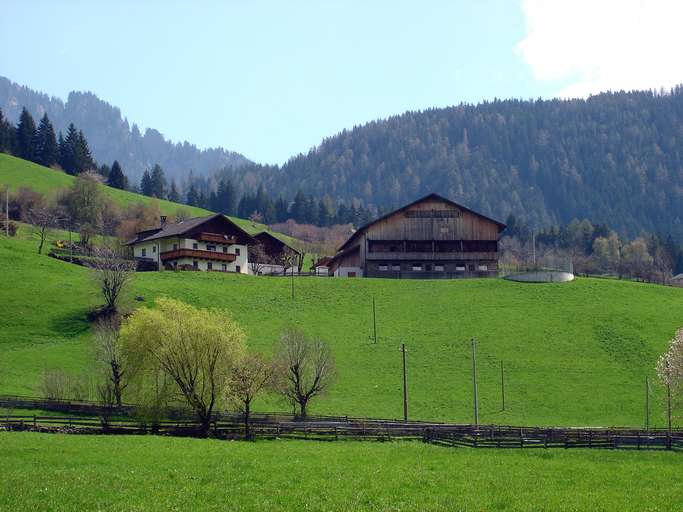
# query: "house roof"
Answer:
x=433 y=195
x=180 y=228
x=267 y=235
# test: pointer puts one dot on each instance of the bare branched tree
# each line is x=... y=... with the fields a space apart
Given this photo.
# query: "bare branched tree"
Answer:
x=304 y=369
x=258 y=258
x=43 y=218
x=113 y=269
x=249 y=378
x=109 y=354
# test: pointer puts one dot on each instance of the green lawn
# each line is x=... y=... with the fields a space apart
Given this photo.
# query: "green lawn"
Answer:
x=60 y=472
x=575 y=354
x=16 y=173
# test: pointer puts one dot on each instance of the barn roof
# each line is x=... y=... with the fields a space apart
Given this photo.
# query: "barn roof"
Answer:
x=433 y=195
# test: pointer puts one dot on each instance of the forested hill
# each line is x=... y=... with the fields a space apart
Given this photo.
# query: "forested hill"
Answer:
x=111 y=137
x=614 y=158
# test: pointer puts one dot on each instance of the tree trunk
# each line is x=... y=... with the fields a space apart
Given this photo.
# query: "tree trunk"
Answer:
x=247 y=411
x=302 y=406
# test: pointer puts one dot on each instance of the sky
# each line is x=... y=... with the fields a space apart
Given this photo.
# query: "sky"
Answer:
x=271 y=79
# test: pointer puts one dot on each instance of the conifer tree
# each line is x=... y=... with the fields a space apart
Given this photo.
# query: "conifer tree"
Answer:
x=146 y=184
x=173 y=194
x=158 y=182
x=193 y=195
x=67 y=150
x=47 y=150
x=116 y=177
x=26 y=136
x=84 y=159
x=6 y=134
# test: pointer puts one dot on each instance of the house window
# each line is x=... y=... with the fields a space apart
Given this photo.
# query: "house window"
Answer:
x=237 y=252
x=460 y=268
x=210 y=247
x=144 y=252
x=396 y=268
x=154 y=248
x=225 y=248
x=482 y=268
x=175 y=247
x=195 y=246
x=237 y=268
x=224 y=267
x=383 y=267
x=195 y=264
x=209 y=265
x=438 y=268
x=417 y=267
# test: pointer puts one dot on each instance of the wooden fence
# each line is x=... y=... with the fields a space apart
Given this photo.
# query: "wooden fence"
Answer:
x=471 y=436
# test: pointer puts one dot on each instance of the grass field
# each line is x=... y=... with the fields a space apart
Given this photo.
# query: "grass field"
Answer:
x=60 y=472
x=16 y=173
x=574 y=354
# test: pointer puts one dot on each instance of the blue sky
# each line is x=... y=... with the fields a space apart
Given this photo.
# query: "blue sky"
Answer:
x=272 y=79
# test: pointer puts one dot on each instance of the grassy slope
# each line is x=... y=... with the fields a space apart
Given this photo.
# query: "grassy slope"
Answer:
x=575 y=354
x=16 y=173
x=52 y=472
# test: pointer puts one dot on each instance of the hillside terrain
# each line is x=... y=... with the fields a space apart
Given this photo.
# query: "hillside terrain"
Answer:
x=156 y=473
x=110 y=135
x=16 y=173
x=615 y=158
x=574 y=354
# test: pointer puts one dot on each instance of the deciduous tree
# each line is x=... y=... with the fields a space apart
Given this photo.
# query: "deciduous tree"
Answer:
x=249 y=378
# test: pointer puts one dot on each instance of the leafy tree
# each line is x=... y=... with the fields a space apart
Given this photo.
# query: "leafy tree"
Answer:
x=116 y=177
x=85 y=206
x=196 y=349
x=26 y=136
x=250 y=376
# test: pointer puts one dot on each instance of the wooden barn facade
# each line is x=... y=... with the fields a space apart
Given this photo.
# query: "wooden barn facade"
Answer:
x=431 y=238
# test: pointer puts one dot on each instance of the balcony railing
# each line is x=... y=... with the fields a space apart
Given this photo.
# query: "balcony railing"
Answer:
x=197 y=254
x=431 y=256
x=216 y=238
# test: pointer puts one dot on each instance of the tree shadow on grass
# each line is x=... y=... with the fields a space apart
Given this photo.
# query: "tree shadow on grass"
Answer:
x=73 y=323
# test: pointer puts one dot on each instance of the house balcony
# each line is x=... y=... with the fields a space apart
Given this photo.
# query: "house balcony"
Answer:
x=216 y=238
x=432 y=256
x=197 y=254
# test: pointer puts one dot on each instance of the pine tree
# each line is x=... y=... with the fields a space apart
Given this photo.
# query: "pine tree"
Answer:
x=116 y=177
x=67 y=150
x=281 y=213
x=193 y=195
x=26 y=136
x=146 y=184
x=298 y=210
x=6 y=134
x=158 y=182
x=47 y=151
x=173 y=194
x=84 y=159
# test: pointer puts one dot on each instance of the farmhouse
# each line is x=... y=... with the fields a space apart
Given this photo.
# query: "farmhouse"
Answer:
x=432 y=237
x=203 y=243
x=273 y=256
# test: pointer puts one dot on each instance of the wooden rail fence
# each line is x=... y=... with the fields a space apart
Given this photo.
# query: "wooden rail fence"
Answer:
x=471 y=436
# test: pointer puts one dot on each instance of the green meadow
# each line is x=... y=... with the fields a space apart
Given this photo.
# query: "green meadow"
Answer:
x=573 y=354
x=61 y=472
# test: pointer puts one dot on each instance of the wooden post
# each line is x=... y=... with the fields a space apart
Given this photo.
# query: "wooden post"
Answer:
x=668 y=414
x=474 y=381
x=502 y=383
x=7 y=211
x=405 y=383
x=374 y=320
x=647 y=404
x=292 y=281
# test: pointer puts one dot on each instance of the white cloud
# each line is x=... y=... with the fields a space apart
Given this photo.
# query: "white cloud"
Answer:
x=599 y=45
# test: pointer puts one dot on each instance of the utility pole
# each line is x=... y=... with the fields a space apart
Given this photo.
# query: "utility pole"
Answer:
x=474 y=381
x=292 y=269
x=7 y=211
x=405 y=384
x=374 y=320
x=647 y=404
x=533 y=247
x=502 y=383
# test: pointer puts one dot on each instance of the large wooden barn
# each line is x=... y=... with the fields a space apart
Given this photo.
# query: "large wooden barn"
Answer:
x=432 y=237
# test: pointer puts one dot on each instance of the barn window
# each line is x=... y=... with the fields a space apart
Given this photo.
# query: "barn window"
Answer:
x=383 y=267
x=460 y=268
